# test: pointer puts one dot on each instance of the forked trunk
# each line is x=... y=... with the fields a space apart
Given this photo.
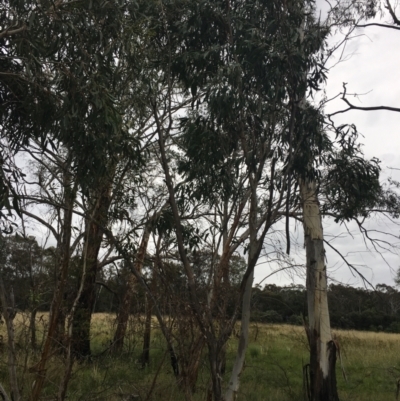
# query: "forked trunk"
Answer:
x=322 y=347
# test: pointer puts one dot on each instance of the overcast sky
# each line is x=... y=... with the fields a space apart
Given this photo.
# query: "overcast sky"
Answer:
x=372 y=68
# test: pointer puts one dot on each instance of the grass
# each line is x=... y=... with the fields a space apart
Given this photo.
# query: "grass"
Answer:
x=273 y=371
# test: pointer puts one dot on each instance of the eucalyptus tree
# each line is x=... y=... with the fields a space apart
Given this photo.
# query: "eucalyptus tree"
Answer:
x=238 y=60
x=71 y=75
x=251 y=133
x=335 y=170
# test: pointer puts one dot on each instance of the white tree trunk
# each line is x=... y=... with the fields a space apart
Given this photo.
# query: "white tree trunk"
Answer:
x=254 y=251
x=234 y=380
x=322 y=348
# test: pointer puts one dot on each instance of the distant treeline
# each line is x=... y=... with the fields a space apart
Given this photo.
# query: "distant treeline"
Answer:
x=31 y=271
x=350 y=308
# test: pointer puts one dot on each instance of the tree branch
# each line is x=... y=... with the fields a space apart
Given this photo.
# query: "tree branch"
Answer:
x=108 y=288
x=353 y=107
x=9 y=32
x=349 y=265
x=49 y=226
x=392 y=13
x=380 y=25
x=108 y=261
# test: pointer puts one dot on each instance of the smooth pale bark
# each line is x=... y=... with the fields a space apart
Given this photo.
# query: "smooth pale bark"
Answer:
x=254 y=252
x=234 y=380
x=322 y=347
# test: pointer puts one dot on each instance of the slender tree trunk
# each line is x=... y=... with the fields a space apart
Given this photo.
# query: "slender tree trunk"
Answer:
x=83 y=313
x=69 y=356
x=234 y=381
x=190 y=349
x=33 y=303
x=216 y=379
x=145 y=357
x=254 y=251
x=32 y=328
x=60 y=335
x=9 y=314
x=322 y=347
x=194 y=365
x=125 y=306
x=56 y=305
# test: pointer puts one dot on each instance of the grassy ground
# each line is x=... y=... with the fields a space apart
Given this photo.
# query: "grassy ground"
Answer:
x=273 y=371
x=370 y=363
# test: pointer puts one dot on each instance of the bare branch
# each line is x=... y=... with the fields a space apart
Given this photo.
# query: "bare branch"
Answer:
x=109 y=261
x=380 y=25
x=49 y=226
x=392 y=13
x=353 y=107
x=349 y=265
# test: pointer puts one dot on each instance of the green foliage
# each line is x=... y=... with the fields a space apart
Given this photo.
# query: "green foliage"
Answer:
x=66 y=79
x=350 y=308
x=207 y=159
x=397 y=278
x=28 y=269
x=244 y=69
x=389 y=199
x=351 y=183
x=91 y=77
